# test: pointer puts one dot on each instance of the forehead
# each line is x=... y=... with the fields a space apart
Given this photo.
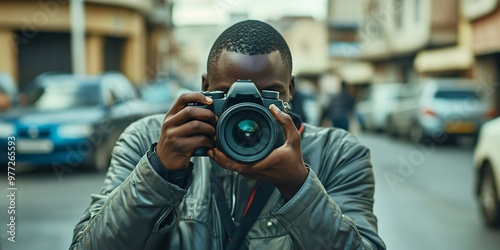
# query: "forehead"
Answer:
x=261 y=69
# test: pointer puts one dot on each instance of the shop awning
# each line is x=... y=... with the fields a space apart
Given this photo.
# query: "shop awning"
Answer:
x=447 y=59
x=356 y=73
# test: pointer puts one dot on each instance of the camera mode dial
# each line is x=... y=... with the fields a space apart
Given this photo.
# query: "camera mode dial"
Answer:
x=214 y=94
x=270 y=94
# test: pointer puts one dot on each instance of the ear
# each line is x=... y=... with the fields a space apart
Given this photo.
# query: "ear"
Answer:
x=204 y=82
x=291 y=86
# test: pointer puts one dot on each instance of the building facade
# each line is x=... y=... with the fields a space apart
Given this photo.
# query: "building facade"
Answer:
x=413 y=39
x=394 y=32
x=484 y=16
x=344 y=20
x=121 y=35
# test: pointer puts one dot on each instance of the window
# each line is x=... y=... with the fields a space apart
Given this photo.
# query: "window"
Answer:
x=63 y=94
x=372 y=24
x=455 y=94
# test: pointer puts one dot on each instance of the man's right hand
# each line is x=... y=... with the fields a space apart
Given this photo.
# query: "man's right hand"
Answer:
x=186 y=128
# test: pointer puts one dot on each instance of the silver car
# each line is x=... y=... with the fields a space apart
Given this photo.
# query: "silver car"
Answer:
x=440 y=109
x=380 y=100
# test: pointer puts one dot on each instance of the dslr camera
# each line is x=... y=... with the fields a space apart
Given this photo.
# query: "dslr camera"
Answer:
x=246 y=131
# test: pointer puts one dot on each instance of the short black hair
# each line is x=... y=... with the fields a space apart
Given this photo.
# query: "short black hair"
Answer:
x=250 y=37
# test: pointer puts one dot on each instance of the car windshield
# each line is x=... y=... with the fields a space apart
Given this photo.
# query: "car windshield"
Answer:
x=392 y=92
x=455 y=94
x=156 y=93
x=63 y=95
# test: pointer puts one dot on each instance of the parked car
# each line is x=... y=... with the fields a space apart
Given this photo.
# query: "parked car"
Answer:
x=380 y=99
x=71 y=119
x=8 y=92
x=439 y=106
x=160 y=93
x=487 y=166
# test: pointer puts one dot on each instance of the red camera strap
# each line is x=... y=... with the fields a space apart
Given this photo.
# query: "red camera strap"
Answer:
x=255 y=188
x=259 y=197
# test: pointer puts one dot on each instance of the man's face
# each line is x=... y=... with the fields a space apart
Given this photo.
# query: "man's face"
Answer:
x=267 y=72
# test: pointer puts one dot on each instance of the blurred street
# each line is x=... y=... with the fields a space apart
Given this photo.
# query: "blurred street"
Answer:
x=46 y=209
x=74 y=74
x=429 y=205
x=424 y=198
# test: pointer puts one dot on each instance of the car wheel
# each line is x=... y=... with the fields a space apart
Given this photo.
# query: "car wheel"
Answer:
x=361 y=123
x=416 y=134
x=390 y=129
x=488 y=194
x=102 y=157
x=451 y=139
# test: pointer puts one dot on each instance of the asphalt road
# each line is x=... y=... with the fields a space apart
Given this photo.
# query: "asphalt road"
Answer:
x=424 y=197
x=424 y=200
x=47 y=207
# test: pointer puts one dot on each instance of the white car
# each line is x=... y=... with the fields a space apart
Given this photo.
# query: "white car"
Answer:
x=457 y=107
x=487 y=165
x=380 y=100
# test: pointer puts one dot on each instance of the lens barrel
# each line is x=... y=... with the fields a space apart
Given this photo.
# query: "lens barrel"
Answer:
x=246 y=132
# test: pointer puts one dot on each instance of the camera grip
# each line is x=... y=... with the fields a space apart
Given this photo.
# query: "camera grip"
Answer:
x=200 y=152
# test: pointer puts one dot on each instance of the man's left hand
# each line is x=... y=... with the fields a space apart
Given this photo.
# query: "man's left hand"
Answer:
x=283 y=168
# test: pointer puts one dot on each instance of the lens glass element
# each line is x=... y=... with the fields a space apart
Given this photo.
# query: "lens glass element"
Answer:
x=247 y=133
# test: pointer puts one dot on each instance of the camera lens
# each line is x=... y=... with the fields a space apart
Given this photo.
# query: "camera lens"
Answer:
x=247 y=133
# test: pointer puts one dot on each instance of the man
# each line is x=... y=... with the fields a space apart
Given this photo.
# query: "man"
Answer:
x=156 y=196
x=8 y=92
x=340 y=108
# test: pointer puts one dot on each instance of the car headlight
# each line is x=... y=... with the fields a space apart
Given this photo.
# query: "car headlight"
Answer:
x=6 y=129
x=73 y=131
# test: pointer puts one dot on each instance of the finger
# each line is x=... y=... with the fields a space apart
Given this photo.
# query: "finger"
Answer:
x=248 y=170
x=192 y=113
x=289 y=129
x=223 y=161
x=189 y=144
x=194 y=127
x=192 y=97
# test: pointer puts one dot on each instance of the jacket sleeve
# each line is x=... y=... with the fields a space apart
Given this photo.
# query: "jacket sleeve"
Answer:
x=134 y=198
x=334 y=209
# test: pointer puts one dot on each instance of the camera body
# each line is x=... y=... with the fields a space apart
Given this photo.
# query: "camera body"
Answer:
x=246 y=131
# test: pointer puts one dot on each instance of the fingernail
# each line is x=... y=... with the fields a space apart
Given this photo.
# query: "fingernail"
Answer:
x=273 y=107
x=208 y=99
x=211 y=153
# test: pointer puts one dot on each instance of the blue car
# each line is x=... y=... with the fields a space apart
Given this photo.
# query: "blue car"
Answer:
x=161 y=93
x=69 y=120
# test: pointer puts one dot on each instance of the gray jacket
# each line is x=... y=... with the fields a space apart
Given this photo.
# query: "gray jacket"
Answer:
x=138 y=209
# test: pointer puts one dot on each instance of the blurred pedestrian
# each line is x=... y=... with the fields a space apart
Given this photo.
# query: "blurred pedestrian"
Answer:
x=340 y=108
x=8 y=91
x=297 y=105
